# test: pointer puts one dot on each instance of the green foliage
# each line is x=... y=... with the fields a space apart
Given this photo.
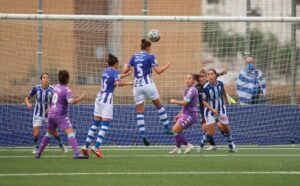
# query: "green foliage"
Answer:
x=265 y=48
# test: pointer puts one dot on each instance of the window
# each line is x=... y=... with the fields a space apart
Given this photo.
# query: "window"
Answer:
x=212 y=1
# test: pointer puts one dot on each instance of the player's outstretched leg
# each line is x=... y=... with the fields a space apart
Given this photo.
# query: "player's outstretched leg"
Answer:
x=180 y=137
x=177 y=149
x=228 y=137
x=212 y=144
x=164 y=119
x=36 y=137
x=43 y=145
x=101 y=135
x=90 y=137
x=205 y=138
x=73 y=143
x=140 y=118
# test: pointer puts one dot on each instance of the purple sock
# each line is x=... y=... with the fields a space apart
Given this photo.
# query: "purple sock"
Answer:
x=73 y=143
x=43 y=145
x=182 y=138
x=178 y=141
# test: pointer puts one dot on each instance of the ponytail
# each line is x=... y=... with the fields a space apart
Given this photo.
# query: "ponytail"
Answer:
x=145 y=44
x=112 y=60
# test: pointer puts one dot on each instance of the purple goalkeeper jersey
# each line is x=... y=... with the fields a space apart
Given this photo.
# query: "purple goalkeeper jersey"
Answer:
x=191 y=96
x=62 y=96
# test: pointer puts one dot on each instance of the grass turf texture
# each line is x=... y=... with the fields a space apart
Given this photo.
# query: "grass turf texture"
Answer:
x=150 y=166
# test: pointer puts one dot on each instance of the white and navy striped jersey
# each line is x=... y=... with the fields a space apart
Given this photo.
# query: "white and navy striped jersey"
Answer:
x=214 y=96
x=108 y=79
x=142 y=62
x=249 y=84
x=43 y=99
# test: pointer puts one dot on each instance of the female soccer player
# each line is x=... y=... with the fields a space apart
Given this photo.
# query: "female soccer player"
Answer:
x=143 y=62
x=201 y=79
x=62 y=96
x=214 y=99
x=43 y=95
x=187 y=116
x=103 y=112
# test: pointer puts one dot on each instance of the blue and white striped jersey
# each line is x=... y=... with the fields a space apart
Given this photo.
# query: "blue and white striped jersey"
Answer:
x=143 y=63
x=249 y=84
x=214 y=96
x=43 y=99
x=108 y=79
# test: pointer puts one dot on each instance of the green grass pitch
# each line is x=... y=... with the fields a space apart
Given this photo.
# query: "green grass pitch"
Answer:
x=142 y=166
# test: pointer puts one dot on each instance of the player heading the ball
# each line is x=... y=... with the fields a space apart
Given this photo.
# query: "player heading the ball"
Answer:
x=144 y=87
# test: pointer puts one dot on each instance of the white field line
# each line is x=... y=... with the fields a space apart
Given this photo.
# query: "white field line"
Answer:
x=163 y=155
x=156 y=173
x=120 y=148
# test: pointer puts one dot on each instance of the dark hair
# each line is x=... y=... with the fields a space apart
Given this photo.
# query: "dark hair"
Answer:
x=63 y=77
x=45 y=73
x=112 y=60
x=201 y=73
x=193 y=76
x=145 y=44
x=216 y=73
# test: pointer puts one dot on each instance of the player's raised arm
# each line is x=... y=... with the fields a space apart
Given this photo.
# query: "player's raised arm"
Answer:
x=76 y=100
x=126 y=69
x=159 y=70
x=125 y=74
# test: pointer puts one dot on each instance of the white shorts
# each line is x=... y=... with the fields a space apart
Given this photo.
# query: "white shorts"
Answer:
x=221 y=118
x=38 y=121
x=147 y=91
x=103 y=110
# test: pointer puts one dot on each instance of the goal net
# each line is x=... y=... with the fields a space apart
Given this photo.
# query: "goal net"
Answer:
x=29 y=47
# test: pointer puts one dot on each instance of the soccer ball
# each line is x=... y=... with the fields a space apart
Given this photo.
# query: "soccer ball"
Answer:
x=154 y=35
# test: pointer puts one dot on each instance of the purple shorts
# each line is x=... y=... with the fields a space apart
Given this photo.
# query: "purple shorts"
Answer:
x=61 y=122
x=186 y=120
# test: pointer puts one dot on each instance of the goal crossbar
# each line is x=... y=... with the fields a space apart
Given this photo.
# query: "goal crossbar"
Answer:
x=146 y=18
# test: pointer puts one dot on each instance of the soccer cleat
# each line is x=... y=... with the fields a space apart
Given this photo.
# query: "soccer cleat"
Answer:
x=188 y=148
x=85 y=151
x=199 y=149
x=80 y=156
x=146 y=142
x=37 y=155
x=168 y=130
x=64 y=149
x=35 y=150
x=233 y=150
x=175 y=151
x=211 y=147
x=97 y=152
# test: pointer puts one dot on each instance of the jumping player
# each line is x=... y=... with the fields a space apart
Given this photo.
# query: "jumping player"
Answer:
x=144 y=87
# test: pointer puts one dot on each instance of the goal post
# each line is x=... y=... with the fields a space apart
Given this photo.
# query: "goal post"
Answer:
x=80 y=44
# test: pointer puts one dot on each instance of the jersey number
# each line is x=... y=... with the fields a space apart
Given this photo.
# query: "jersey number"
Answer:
x=139 y=70
x=103 y=84
x=54 y=99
